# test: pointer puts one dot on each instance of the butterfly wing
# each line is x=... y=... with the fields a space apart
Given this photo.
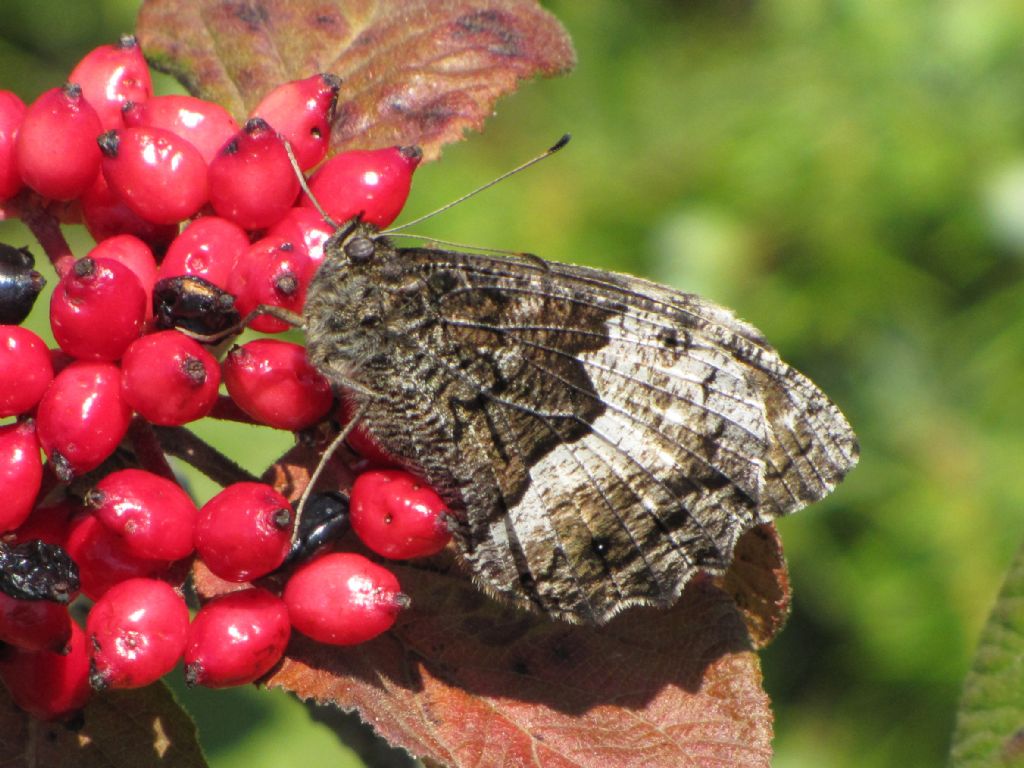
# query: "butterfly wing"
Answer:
x=612 y=436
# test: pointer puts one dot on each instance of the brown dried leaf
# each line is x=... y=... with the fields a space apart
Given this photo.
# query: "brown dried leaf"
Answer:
x=123 y=729
x=413 y=71
x=758 y=581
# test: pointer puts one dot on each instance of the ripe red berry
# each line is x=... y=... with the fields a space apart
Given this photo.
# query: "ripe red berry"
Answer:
x=111 y=75
x=12 y=112
x=397 y=515
x=37 y=625
x=133 y=253
x=103 y=558
x=244 y=532
x=206 y=125
x=82 y=417
x=47 y=523
x=107 y=215
x=154 y=517
x=343 y=599
x=271 y=272
x=25 y=370
x=136 y=634
x=97 y=309
x=208 y=248
x=158 y=174
x=301 y=112
x=236 y=638
x=56 y=147
x=47 y=685
x=21 y=473
x=374 y=183
x=273 y=382
x=252 y=182
x=306 y=229
x=169 y=379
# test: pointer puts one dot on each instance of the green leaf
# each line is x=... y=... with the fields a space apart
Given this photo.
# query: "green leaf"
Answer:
x=990 y=721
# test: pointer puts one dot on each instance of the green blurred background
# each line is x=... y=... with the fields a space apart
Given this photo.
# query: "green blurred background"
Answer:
x=847 y=175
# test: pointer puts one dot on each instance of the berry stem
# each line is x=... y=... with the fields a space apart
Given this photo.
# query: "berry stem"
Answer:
x=148 y=449
x=183 y=444
x=46 y=228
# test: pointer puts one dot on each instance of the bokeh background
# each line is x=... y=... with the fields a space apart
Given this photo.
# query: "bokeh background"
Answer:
x=849 y=176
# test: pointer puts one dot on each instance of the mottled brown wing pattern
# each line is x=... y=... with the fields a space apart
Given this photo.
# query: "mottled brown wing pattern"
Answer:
x=600 y=437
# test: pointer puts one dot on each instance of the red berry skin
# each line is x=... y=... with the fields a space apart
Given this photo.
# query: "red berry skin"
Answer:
x=107 y=215
x=204 y=124
x=36 y=625
x=82 y=417
x=169 y=379
x=47 y=523
x=12 y=112
x=103 y=558
x=301 y=112
x=133 y=253
x=25 y=370
x=304 y=228
x=21 y=473
x=47 y=685
x=97 y=309
x=236 y=638
x=244 y=532
x=397 y=515
x=343 y=599
x=158 y=174
x=136 y=634
x=273 y=382
x=208 y=248
x=154 y=517
x=271 y=272
x=374 y=183
x=252 y=182
x=56 y=147
x=111 y=75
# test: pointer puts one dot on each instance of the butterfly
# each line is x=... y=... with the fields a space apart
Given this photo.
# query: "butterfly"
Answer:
x=599 y=438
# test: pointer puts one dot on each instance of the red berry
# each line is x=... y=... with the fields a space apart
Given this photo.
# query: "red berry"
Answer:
x=133 y=253
x=56 y=146
x=112 y=75
x=154 y=517
x=301 y=112
x=374 y=183
x=97 y=309
x=236 y=638
x=273 y=382
x=107 y=215
x=208 y=248
x=397 y=515
x=271 y=272
x=82 y=417
x=37 y=625
x=252 y=182
x=305 y=228
x=25 y=370
x=343 y=599
x=103 y=558
x=47 y=523
x=206 y=125
x=12 y=112
x=21 y=473
x=49 y=686
x=136 y=634
x=244 y=532
x=169 y=378
x=158 y=174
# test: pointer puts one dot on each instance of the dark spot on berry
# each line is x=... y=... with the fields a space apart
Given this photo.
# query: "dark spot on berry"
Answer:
x=194 y=370
x=282 y=517
x=388 y=519
x=286 y=284
x=231 y=148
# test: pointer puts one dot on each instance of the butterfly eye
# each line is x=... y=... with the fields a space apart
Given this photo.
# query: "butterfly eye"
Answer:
x=360 y=249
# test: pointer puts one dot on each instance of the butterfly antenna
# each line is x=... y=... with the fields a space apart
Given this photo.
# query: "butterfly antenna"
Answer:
x=305 y=187
x=543 y=155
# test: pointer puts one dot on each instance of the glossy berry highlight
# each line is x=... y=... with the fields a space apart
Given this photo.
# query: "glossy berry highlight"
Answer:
x=27 y=370
x=112 y=75
x=21 y=472
x=204 y=124
x=103 y=557
x=272 y=272
x=301 y=111
x=169 y=379
x=209 y=247
x=397 y=515
x=48 y=685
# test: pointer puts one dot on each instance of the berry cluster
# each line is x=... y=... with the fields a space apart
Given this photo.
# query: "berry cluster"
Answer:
x=197 y=221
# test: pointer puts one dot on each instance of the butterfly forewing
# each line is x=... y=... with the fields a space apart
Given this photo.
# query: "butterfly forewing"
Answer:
x=600 y=438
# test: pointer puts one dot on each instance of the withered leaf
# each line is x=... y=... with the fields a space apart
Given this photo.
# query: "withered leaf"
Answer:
x=413 y=71
x=758 y=581
x=122 y=729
